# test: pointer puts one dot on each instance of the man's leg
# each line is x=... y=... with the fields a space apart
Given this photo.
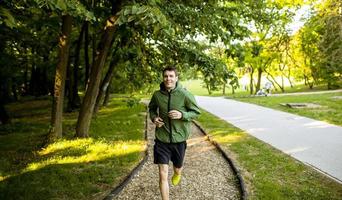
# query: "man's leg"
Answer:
x=177 y=160
x=177 y=171
x=163 y=182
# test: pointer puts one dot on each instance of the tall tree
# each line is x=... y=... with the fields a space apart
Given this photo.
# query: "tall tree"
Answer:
x=7 y=23
x=330 y=43
x=58 y=97
x=74 y=100
x=66 y=10
x=269 y=34
x=105 y=83
x=87 y=107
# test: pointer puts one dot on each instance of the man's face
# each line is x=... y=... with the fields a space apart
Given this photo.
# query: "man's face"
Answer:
x=170 y=79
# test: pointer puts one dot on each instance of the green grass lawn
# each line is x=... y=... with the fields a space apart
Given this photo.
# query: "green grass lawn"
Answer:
x=269 y=173
x=302 y=88
x=68 y=168
x=196 y=88
x=330 y=110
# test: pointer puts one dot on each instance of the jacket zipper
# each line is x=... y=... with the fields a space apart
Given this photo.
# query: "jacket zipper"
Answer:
x=168 y=110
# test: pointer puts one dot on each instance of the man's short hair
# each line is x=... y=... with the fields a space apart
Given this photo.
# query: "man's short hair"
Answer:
x=170 y=68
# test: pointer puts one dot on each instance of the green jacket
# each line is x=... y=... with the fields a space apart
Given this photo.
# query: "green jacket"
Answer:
x=173 y=130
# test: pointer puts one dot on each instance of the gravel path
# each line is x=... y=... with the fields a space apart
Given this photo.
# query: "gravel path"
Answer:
x=206 y=174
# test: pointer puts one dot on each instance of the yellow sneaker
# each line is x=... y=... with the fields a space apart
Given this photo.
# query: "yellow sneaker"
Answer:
x=175 y=179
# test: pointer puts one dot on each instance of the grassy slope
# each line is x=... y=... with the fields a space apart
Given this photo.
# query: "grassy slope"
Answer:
x=195 y=87
x=269 y=173
x=69 y=168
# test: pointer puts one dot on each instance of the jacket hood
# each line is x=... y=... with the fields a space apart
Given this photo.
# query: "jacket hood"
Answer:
x=163 y=89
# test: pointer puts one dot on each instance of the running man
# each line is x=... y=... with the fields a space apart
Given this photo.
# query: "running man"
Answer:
x=171 y=109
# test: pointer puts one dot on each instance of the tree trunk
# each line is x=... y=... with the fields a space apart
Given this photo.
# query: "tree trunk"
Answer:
x=107 y=96
x=37 y=82
x=305 y=79
x=93 y=4
x=275 y=89
x=33 y=78
x=5 y=90
x=274 y=81
x=26 y=85
x=57 y=107
x=86 y=52
x=36 y=87
x=68 y=85
x=289 y=77
x=94 y=51
x=104 y=85
x=251 y=87
x=290 y=81
x=14 y=89
x=4 y=118
x=259 y=79
x=310 y=84
x=44 y=77
x=75 y=98
x=224 y=89
x=208 y=88
x=87 y=108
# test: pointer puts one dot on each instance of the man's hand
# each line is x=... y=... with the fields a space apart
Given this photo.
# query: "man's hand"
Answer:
x=158 y=122
x=175 y=114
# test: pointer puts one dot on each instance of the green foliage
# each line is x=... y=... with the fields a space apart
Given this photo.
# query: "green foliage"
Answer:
x=150 y=34
x=322 y=44
x=145 y=16
x=215 y=19
x=266 y=49
x=163 y=33
x=7 y=18
x=309 y=40
x=153 y=34
x=71 y=7
x=330 y=44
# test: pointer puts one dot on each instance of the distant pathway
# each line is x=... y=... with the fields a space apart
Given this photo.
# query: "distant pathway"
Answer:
x=313 y=142
x=206 y=174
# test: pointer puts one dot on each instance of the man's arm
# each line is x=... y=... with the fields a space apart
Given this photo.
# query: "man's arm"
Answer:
x=192 y=108
x=152 y=108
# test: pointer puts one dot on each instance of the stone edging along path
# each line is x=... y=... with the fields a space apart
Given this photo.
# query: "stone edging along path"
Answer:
x=236 y=171
x=206 y=175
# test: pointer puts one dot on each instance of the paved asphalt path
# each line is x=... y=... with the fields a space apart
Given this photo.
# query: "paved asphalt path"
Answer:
x=313 y=142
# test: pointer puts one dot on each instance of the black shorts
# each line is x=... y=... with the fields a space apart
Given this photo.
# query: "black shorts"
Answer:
x=164 y=152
